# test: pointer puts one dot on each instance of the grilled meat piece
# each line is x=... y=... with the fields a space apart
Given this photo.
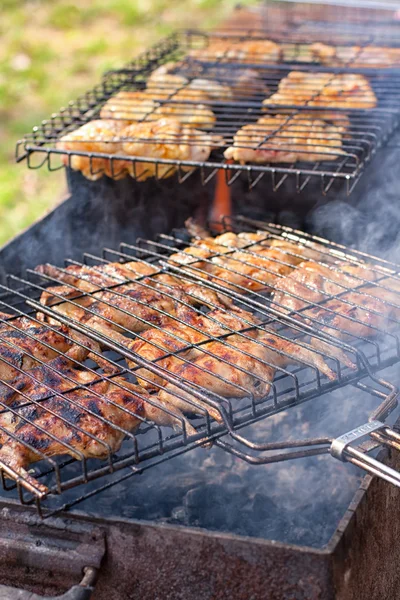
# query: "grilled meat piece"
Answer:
x=356 y=56
x=189 y=105
x=85 y=423
x=236 y=50
x=85 y=278
x=138 y=306
x=167 y=139
x=102 y=136
x=163 y=81
x=21 y=349
x=186 y=105
x=324 y=90
x=131 y=307
x=180 y=338
x=313 y=282
x=129 y=107
x=239 y=367
x=256 y=264
x=177 y=335
x=285 y=138
x=221 y=84
x=24 y=344
x=356 y=312
x=148 y=291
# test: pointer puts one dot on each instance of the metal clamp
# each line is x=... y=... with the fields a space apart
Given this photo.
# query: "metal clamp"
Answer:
x=83 y=591
x=378 y=434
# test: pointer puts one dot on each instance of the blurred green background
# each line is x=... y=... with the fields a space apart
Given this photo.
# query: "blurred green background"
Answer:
x=53 y=50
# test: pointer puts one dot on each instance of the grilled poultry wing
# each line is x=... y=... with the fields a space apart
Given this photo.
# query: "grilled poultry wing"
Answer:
x=25 y=344
x=178 y=335
x=249 y=260
x=102 y=136
x=167 y=139
x=238 y=367
x=179 y=340
x=324 y=90
x=186 y=105
x=285 y=138
x=243 y=51
x=147 y=300
x=357 y=56
x=360 y=310
x=138 y=306
x=219 y=83
x=85 y=423
x=164 y=80
x=85 y=278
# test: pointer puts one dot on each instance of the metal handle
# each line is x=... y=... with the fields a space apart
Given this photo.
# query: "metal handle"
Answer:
x=83 y=591
x=377 y=434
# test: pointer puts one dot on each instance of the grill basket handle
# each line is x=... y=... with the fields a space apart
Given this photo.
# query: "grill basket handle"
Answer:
x=82 y=591
x=349 y=447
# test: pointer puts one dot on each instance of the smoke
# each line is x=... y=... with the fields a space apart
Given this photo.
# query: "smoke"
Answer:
x=369 y=219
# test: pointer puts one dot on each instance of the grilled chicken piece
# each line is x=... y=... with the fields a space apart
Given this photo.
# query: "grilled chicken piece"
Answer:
x=313 y=282
x=167 y=139
x=355 y=56
x=89 y=279
x=131 y=307
x=221 y=84
x=244 y=83
x=354 y=313
x=85 y=423
x=85 y=278
x=22 y=349
x=163 y=80
x=24 y=344
x=285 y=138
x=178 y=335
x=243 y=51
x=255 y=268
x=324 y=90
x=103 y=136
x=187 y=105
x=240 y=367
x=130 y=107
x=136 y=307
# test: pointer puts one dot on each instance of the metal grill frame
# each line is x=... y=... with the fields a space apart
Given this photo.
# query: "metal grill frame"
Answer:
x=232 y=419
x=368 y=130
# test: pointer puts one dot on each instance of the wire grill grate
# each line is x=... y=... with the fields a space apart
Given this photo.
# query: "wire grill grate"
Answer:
x=62 y=405
x=365 y=129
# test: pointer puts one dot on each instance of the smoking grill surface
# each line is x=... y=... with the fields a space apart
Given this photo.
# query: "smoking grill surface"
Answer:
x=77 y=387
x=338 y=147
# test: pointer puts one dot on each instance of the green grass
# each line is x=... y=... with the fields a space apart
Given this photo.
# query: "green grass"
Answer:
x=53 y=50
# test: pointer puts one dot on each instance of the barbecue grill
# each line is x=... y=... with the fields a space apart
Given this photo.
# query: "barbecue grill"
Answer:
x=48 y=554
